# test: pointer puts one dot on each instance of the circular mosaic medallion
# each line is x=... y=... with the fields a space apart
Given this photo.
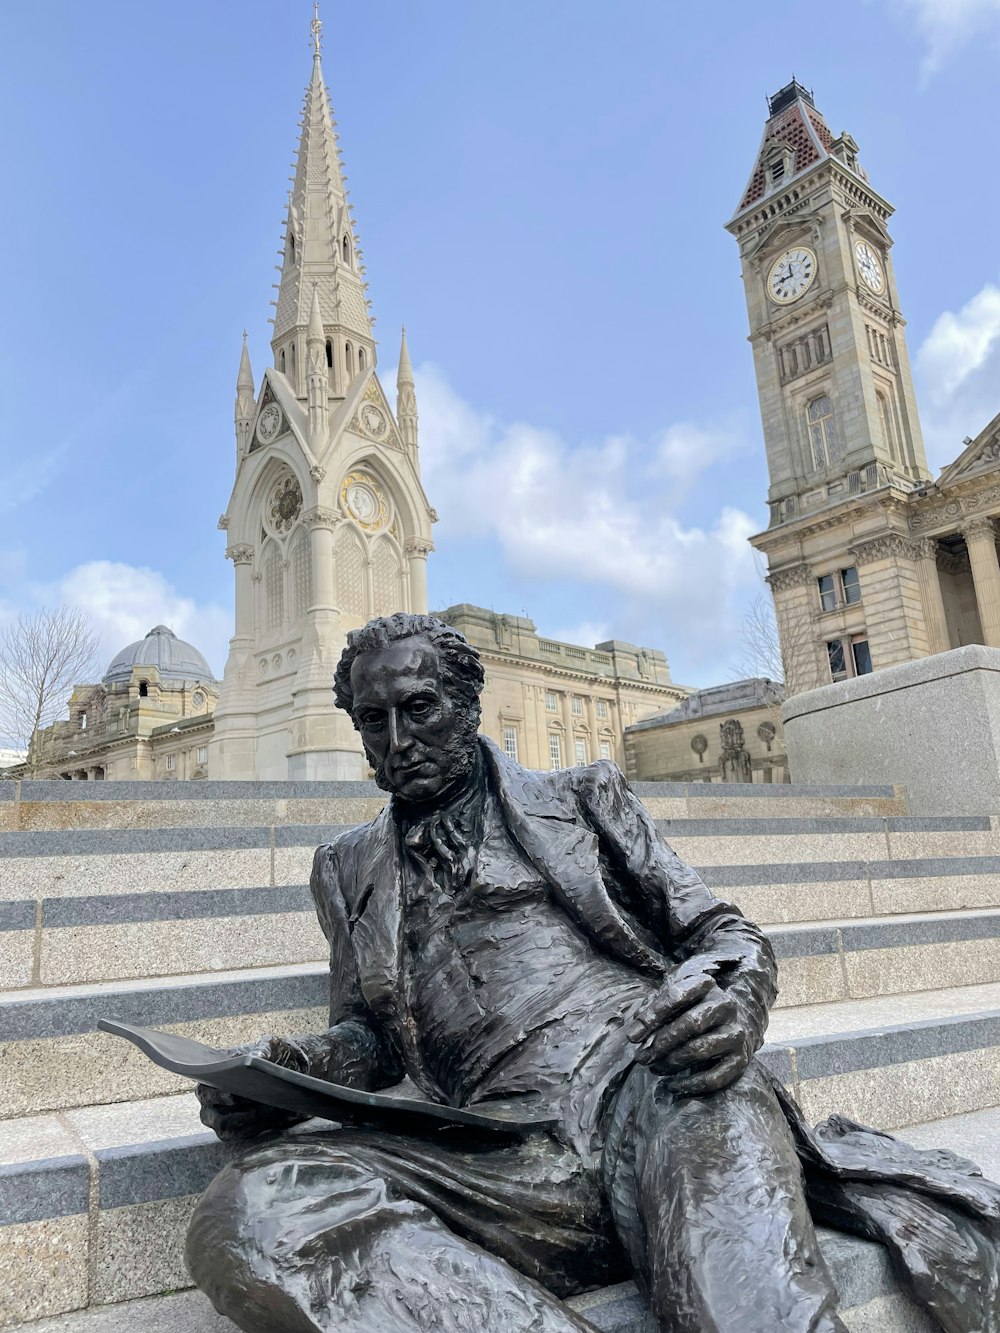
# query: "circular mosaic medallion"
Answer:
x=269 y=423
x=284 y=505
x=373 y=419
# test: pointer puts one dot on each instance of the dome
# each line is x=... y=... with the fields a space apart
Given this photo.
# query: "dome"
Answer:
x=161 y=648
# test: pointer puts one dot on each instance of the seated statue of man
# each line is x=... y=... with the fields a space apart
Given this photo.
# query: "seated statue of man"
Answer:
x=513 y=939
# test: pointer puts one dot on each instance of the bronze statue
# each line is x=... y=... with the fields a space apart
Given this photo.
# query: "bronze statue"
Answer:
x=525 y=941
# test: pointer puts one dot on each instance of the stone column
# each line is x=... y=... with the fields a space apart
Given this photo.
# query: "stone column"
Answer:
x=595 y=745
x=541 y=759
x=938 y=639
x=569 y=753
x=417 y=550
x=321 y=523
x=242 y=558
x=980 y=537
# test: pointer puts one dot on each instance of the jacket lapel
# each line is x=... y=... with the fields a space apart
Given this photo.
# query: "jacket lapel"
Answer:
x=547 y=823
x=376 y=919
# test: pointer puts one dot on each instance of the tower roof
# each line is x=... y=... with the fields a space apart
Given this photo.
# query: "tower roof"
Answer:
x=405 y=373
x=244 y=380
x=318 y=223
x=794 y=124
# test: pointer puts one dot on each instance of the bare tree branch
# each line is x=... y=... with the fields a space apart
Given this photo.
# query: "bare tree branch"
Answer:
x=42 y=656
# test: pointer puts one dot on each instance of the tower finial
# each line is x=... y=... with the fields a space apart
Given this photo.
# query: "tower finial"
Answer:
x=316 y=28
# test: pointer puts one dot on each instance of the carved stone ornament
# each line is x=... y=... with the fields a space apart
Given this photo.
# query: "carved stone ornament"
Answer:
x=889 y=546
x=223 y=523
x=792 y=576
x=317 y=473
x=240 y=555
x=364 y=500
x=284 y=504
x=979 y=528
x=418 y=546
x=699 y=744
x=373 y=420
x=321 y=518
x=766 y=732
x=934 y=516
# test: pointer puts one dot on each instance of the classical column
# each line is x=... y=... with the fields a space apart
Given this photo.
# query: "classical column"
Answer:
x=321 y=523
x=569 y=750
x=980 y=537
x=242 y=558
x=417 y=549
x=938 y=638
x=542 y=758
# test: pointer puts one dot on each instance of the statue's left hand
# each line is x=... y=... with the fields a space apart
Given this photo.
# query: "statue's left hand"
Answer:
x=691 y=1032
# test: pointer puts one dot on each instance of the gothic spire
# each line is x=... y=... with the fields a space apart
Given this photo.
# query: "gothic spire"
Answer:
x=243 y=412
x=321 y=249
x=406 y=396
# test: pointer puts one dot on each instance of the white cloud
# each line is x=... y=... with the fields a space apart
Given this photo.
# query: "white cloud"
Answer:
x=958 y=371
x=585 y=632
x=948 y=25
x=605 y=516
x=123 y=603
x=959 y=344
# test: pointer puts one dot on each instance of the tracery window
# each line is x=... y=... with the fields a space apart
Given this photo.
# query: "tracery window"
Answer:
x=351 y=573
x=385 y=580
x=823 y=437
x=301 y=574
x=274 y=591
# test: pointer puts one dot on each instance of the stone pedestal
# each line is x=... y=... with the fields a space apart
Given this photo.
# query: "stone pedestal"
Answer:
x=932 y=725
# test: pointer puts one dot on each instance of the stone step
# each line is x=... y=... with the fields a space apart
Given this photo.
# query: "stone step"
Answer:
x=65 y=805
x=94 y=1205
x=54 y=1058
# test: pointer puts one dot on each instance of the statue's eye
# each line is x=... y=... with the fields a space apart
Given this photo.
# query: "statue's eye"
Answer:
x=420 y=707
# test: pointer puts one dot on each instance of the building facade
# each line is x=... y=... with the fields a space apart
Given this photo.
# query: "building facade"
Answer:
x=727 y=733
x=553 y=705
x=328 y=523
x=870 y=561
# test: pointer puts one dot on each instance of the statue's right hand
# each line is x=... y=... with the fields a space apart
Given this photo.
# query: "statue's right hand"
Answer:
x=233 y=1118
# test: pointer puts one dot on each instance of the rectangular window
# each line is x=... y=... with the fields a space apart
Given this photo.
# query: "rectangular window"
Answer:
x=581 y=752
x=602 y=708
x=510 y=743
x=862 y=657
x=577 y=706
x=202 y=754
x=606 y=750
x=550 y=702
x=827 y=592
x=838 y=662
x=555 y=751
x=851 y=585
x=171 y=763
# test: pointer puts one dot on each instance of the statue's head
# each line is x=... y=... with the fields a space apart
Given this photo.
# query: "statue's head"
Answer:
x=411 y=685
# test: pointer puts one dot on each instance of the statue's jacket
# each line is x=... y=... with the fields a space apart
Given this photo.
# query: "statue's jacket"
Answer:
x=597 y=847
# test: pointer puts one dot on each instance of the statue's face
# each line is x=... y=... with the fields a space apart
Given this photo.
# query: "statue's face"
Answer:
x=420 y=740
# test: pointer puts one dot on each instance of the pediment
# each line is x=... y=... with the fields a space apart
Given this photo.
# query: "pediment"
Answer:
x=980 y=456
x=278 y=414
x=781 y=230
x=365 y=413
x=867 y=221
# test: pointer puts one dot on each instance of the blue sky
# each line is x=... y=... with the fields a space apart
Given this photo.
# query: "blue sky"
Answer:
x=540 y=189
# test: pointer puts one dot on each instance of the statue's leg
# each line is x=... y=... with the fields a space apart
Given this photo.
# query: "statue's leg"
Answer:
x=308 y=1237
x=708 y=1198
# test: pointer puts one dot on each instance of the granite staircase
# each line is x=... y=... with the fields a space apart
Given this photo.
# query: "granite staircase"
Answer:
x=186 y=907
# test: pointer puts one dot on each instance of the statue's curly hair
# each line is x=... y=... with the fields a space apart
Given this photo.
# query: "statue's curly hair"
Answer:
x=461 y=666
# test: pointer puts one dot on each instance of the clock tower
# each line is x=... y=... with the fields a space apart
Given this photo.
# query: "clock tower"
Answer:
x=841 y=431
x=328 y=524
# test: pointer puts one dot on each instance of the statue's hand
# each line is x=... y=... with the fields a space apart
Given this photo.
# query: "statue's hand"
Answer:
x=691 y=1032
x=234 y=1118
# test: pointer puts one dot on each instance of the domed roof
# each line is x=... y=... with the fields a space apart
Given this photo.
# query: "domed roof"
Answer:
x=161 y=648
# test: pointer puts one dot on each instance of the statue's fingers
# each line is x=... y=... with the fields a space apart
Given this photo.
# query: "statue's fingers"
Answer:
x=671 y=999
x=213 y=1097
x=706 y=1081
x=709 y=1013
x=713 y=1046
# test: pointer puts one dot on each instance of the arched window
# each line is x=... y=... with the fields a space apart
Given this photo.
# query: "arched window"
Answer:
x=823 y=437
x=281 y=362
x=301 y=573
x=347 y=249
x=386 y=593
x=886 y=422
x=329 y=353
x=143 y=689
x=291 y=358
x=349 y=359
x=291 y=246
x=352 y=591
x=274 y=591
x=361 y=358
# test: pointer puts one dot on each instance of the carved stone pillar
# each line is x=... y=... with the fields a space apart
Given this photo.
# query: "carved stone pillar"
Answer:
x=417 y=550
x=242 y=558
x=321 y=523
x=938 y=638
x=569 y=750
x=980 y=537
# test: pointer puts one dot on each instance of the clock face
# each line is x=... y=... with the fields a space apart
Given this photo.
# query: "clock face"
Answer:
x=791 y=275
x=269 y=423
x=870 y=267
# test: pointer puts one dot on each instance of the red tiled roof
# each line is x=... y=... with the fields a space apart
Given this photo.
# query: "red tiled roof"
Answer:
x=789 y=127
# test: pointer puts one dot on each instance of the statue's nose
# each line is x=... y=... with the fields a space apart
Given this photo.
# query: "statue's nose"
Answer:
x=398 y=739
